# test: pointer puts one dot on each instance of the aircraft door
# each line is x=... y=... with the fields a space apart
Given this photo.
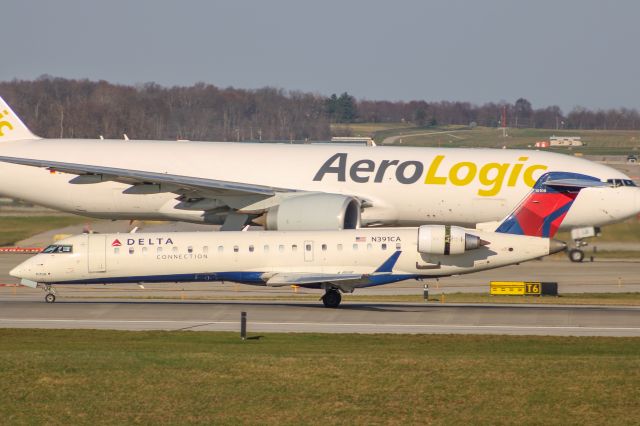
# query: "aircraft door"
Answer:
x=97 y=253
x=308 y=251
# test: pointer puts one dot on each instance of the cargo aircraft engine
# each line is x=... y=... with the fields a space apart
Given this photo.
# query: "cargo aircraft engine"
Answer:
x=445 y=239
x=313 y=212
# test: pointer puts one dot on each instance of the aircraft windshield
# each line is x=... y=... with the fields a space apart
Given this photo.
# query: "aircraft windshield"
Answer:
x=621 y=182
x=56 y=248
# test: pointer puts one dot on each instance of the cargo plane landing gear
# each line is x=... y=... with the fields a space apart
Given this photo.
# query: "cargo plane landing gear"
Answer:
x=50 y=297
x=578 y=235
x=332 y=298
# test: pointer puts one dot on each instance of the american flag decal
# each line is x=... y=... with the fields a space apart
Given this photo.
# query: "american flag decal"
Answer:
x=361 y=239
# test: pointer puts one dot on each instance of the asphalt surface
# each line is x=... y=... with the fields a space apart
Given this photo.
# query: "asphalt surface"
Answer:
x=128 y=307
x=313 y=317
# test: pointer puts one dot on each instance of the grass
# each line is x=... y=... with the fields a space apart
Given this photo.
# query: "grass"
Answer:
x=597 y=141
x=627 y=232
x=365 y=129
x=114 y=377
x=16 y=228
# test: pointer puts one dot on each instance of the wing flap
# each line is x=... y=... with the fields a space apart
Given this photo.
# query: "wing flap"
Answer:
x=302 y=278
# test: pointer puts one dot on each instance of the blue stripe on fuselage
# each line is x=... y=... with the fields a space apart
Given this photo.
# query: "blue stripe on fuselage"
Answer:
x=253 y=278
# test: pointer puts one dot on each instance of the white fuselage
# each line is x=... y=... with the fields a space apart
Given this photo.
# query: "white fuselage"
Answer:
x=254 y=257
x=405 y=186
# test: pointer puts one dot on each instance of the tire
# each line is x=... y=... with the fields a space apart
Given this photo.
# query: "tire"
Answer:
x=50 y=298
x=576 y=255
x=332 y=299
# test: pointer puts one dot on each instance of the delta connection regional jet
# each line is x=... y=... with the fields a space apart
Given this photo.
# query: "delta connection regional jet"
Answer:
x=335 y=261
x=291 y=187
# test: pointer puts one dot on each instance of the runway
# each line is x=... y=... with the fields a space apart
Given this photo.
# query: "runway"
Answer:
x=128 y=307
x=351 y=317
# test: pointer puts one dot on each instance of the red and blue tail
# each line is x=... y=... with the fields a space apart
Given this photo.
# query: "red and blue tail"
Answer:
x=542 y=211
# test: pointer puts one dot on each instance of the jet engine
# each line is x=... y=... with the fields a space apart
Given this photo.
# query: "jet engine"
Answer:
x=446 y=239
x=313 y=212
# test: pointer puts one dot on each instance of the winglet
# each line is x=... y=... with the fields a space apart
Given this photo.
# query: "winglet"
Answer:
x=542 y=211
x=11 y=127
x=388 y=264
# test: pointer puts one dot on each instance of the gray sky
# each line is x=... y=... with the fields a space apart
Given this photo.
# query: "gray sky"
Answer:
x=551 y=52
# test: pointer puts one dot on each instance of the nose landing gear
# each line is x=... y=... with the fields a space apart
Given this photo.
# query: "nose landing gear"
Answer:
x=50 y=297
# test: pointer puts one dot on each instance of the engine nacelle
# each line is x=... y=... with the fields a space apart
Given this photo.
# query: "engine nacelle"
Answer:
x=314 y=212
x=446 y=239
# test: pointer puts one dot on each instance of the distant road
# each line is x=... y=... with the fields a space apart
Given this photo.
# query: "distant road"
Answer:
x=391 y=140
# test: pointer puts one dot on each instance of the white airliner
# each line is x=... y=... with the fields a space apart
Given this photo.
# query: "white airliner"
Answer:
x=336 y=261
x=291 y=187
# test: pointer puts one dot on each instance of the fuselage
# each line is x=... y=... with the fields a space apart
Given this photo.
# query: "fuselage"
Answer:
x=404 y=186
x=255 y=257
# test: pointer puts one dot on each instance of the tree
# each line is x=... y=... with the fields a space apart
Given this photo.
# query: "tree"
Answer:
x=523 y=112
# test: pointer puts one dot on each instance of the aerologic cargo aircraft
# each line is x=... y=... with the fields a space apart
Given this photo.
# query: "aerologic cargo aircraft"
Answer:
x=336 y=261
x=291 y=187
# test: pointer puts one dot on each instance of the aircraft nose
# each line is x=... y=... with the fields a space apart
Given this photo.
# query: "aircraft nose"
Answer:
x=17 y=271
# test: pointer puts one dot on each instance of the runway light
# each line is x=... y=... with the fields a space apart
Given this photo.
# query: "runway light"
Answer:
x=243 y=325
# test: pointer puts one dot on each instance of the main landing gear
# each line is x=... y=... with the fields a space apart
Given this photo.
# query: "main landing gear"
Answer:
x=332 y=298
x=50 y=297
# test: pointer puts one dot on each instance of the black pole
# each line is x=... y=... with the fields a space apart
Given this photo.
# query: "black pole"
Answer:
x=243 y=325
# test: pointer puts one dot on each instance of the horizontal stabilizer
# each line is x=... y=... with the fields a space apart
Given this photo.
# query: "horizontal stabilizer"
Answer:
x=574 y=183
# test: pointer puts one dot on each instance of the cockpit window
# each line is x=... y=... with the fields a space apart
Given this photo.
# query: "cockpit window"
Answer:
x=57 y=248
x=621 y=182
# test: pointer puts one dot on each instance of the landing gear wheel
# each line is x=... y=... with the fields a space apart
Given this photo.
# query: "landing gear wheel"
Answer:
x=576 y=255
x=50 y=298
x=332 y=299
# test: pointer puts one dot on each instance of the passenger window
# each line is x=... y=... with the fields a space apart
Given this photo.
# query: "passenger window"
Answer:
x=398 y=246
x=220 y=249
x=236 y=249
x=174 y=249
x=281 y=248
x=369 y=246
x=205 y=249
x=384 y=246
x=307 y=247
x=265 y=248
x=116 y=250
x=251 y=248
x=294 y=248
x=324 y=247
x=190 y=249
x=159 y=249
x=355 y=246
x=144 y=250
x=339 y=247
x=131 y=250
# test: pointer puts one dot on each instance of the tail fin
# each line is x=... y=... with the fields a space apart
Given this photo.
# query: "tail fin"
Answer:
x=542 y=211
x=11 y=127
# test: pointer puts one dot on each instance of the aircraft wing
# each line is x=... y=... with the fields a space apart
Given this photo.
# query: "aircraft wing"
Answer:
x=352 y=280
x=165 y=182
x=301 y=278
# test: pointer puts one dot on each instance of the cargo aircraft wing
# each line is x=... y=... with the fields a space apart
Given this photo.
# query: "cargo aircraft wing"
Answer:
x=144 y=182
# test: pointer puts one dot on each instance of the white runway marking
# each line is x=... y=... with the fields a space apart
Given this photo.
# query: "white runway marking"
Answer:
x=368 y=328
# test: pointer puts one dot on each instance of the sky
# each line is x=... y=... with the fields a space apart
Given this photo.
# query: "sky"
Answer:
x=564 y=52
